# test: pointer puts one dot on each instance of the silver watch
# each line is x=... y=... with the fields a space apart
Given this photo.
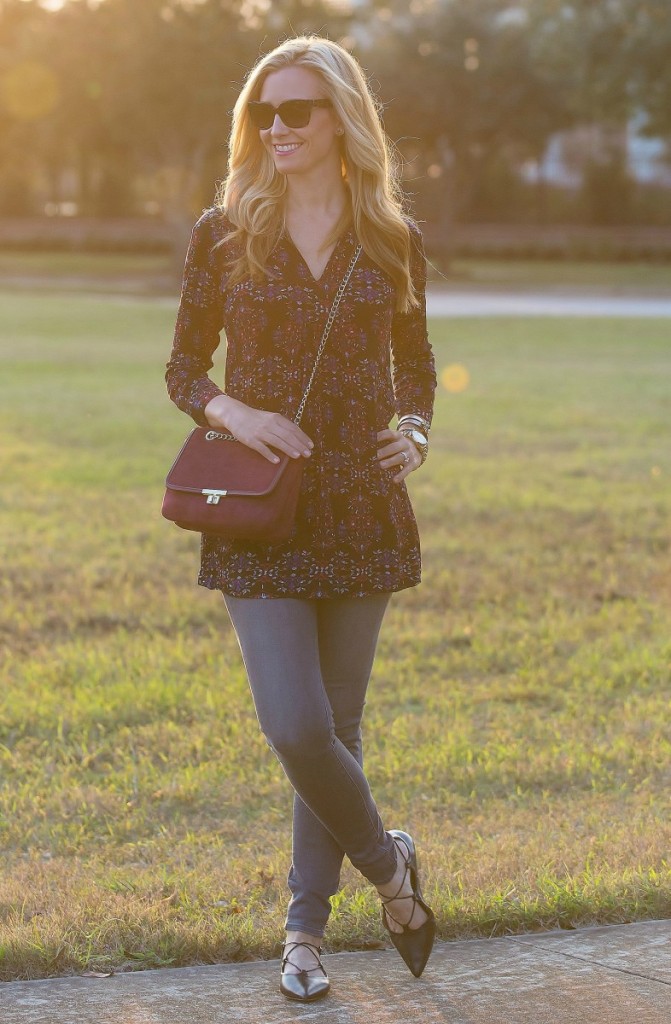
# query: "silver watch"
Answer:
x=419 y=440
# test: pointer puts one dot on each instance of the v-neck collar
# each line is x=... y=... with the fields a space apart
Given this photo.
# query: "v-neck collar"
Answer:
x=340 y=241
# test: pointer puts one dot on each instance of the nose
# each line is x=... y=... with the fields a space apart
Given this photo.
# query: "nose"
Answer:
x=278 y=125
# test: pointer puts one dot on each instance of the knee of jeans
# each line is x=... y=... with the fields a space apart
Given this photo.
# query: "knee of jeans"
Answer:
x=296 y=744
x=350 y=737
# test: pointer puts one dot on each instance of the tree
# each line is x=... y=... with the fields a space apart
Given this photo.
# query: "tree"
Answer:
x=471 y=89
x=649 y=63
x=147 y=86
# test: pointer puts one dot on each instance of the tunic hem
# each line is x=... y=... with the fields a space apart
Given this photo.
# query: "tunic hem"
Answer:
x=315 y=596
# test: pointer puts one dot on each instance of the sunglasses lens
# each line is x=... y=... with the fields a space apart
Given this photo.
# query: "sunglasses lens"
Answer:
x=293 y=113
x=262 y=114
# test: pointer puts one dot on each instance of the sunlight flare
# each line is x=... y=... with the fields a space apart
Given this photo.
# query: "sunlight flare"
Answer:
x=455 y=378
x=29 y=90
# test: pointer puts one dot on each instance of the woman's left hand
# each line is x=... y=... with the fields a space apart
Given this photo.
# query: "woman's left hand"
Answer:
x=399 y=452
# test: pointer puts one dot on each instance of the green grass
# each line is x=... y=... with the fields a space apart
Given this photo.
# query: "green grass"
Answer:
x=95 y=271
x=518 y=714
x=635 y=277
x=76 y=261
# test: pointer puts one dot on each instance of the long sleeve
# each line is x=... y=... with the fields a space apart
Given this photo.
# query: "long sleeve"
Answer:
x=199 y=322
x=414 y=372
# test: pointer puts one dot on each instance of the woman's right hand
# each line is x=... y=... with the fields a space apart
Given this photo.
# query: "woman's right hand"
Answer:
x=258 y=429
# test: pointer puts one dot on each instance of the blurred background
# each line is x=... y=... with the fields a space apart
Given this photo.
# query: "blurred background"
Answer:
x=537 y=128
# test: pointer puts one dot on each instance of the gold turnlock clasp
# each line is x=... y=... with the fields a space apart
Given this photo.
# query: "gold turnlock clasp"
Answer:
x=214 y=496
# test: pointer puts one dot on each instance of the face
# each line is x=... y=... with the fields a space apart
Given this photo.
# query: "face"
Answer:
x=309 y=148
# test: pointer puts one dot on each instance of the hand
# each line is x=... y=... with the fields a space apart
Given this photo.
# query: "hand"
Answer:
x=392 y=455
x=258 y=429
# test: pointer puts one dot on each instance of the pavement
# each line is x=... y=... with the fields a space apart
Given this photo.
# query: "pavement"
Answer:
x=604 y=975
x=457 y=303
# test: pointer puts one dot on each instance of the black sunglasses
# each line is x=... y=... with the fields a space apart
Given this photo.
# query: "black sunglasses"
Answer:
x=293 y=113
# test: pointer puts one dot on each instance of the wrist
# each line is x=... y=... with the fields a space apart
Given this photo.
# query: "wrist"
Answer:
x=217 y=410
x=418 y=438
x=413 y=420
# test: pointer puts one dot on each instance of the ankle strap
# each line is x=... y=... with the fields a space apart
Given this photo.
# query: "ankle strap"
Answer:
x=308 y=945
x=406 y=860
x=315 y=950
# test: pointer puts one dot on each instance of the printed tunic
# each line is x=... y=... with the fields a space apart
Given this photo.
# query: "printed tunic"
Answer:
x=355 y=532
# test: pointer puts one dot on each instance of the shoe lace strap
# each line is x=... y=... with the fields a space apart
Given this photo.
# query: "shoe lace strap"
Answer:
x=410 y=896
x=315 y=950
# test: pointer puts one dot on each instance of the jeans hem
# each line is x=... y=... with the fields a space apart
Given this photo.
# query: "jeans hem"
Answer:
x=292 y=926
x=384 y=881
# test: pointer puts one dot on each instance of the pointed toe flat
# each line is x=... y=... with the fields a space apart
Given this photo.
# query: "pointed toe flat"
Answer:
x=302 y=986
x=414 y=944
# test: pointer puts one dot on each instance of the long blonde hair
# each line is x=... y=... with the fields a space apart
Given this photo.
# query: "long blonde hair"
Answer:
x=252 y=193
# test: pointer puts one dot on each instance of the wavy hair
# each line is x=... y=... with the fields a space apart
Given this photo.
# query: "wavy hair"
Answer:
x=252 y=194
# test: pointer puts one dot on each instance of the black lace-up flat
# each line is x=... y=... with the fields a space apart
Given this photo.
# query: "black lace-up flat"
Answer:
x=301 y=986
x=414 y=944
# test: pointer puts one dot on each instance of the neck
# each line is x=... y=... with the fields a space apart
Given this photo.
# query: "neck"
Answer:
x=312 y=195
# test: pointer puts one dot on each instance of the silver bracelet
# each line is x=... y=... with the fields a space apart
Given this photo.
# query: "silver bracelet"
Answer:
x=416 y=420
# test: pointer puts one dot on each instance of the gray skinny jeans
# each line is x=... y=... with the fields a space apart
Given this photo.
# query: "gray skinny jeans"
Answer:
x=308 y=663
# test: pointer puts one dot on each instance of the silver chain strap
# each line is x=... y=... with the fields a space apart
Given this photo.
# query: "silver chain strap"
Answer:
x=327 y=331
x=214 y=435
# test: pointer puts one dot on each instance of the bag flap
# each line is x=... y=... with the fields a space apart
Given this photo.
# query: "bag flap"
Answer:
x=209 y=463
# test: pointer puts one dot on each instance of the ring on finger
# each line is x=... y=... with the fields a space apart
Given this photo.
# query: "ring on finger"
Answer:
x=405 y=457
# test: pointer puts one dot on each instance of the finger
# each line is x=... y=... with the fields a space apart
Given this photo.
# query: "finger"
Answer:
x=400 y=458
x=288 y=445
x=297 y=439
x=262 y=449
x=301 y=446
x=305 y=441
x=292 y=433
x=409 y=468
x=388 y=435
x=392 y=449
x=261 y=445
x=298 y=443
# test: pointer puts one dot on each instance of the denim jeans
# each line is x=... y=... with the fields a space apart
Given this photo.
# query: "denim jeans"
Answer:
x=308 y=663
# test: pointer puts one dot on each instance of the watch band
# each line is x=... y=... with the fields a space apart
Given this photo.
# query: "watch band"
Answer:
x=419 y=440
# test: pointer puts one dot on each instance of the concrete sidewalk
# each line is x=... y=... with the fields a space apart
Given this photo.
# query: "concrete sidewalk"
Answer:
x=471 y=302
x=609 y=975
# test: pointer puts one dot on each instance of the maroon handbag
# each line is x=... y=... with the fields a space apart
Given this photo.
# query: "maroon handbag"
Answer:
x=219 y=485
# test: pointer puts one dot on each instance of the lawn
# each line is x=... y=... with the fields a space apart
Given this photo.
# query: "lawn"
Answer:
x=518 y=717
x=154 y=273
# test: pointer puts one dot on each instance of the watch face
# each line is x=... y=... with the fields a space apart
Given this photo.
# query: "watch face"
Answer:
x=416 y=437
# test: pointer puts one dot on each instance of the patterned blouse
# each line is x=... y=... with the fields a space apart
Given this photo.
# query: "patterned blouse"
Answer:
x=355 y=532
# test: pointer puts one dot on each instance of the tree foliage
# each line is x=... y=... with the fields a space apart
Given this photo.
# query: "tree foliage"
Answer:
x=141 y=90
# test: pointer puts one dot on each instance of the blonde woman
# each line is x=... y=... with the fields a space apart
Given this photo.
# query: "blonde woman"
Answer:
x=311 y=177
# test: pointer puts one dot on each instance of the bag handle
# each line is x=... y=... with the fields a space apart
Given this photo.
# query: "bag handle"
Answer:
x=327 y=331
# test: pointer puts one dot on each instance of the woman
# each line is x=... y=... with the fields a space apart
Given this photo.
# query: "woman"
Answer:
x=310 y=178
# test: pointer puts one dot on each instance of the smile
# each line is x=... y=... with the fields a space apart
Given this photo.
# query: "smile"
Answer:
x=289 y=148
